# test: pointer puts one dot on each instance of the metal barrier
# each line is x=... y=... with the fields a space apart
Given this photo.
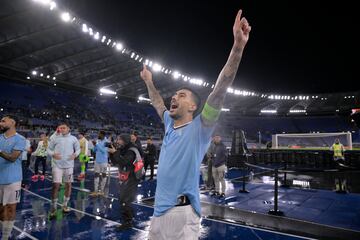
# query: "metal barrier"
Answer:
x=294 y=162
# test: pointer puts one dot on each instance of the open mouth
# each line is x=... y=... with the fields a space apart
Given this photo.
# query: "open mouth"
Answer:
x=173 y=106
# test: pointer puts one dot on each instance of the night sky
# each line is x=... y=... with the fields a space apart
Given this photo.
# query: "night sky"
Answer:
x=294 y=47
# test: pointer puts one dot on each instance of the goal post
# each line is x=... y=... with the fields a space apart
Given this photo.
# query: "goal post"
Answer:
x=310 y=140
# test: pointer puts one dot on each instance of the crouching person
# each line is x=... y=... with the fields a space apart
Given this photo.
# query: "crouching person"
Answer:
x=123 y=156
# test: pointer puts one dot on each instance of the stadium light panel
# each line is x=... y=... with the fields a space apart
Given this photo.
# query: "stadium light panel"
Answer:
x=41 y=74
x=54 y=84
x=225 y=109
x=107 y=91
x=230 y=90
x=48 y=76
x=176 y=75
x=27 y=77
x=34 y=73
x=52 y=5
x=65 y=16
x=144 y=99
x=85 y=28
x=297 y=111
x=156 y=67
x=119 y=46
x=44 y=2
x=268 y=111
x=97 y=36
x=54 y=78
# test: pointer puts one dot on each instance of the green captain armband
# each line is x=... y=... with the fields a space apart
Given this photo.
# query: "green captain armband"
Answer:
x=210 y=114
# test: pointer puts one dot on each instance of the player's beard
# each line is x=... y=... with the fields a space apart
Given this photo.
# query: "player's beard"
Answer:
x=4 y=129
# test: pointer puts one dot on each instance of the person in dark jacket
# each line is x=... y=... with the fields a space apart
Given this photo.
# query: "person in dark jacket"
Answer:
x=218 y=168
x=150 y=156
x=123 y=157
x=134 y=137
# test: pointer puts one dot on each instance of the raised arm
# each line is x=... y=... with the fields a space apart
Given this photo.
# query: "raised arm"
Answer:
x=241 y=30
x=156 y=100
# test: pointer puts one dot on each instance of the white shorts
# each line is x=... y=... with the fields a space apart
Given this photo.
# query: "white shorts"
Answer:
x=62 y=174
x=10 y=193
x=182 y=223
x=100 y=167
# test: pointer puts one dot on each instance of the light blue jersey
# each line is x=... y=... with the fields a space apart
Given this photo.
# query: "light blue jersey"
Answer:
x=11 y=172
x=101 y=152
x=181 y=154
x=65 y=145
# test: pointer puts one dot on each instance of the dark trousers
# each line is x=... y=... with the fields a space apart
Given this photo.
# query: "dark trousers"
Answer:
x=128 y=190
x=210 y=182
x=23 y=168
x=41 y=160
x=149 y=162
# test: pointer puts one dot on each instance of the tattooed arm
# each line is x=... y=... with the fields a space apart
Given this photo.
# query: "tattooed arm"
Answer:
x=156 y=100
x=241 y=30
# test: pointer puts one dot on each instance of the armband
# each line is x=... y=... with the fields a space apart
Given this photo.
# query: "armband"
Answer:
x=210 y=114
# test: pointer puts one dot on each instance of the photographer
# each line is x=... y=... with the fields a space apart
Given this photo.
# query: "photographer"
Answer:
x=123 y=157
x=101 y=163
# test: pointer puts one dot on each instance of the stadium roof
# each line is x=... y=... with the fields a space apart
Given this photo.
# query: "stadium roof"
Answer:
x=42 y=42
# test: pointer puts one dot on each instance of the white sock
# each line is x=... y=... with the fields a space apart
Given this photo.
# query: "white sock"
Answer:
x=54 y=204
x=66 y=200
x=7 y=227
x=102 y=184
x=96 y=184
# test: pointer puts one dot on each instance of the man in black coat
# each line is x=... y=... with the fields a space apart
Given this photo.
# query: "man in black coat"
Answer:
x=123 y=156
x=150 y=156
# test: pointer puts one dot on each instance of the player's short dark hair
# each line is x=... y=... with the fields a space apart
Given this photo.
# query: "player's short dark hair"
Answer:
x=196 y=98
x=64 y=123
x=13 y=117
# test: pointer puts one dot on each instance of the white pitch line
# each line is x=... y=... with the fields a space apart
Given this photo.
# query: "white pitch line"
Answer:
x=25 y=233
x=76 y=210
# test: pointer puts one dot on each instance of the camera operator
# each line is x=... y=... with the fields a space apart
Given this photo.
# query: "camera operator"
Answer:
x=123 y=157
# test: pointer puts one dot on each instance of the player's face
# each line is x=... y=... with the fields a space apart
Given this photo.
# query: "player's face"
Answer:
x=120 y=142
x=217 y=139
x=182 y=103
x=42 y=137
x=64 y=129
x=6 y=123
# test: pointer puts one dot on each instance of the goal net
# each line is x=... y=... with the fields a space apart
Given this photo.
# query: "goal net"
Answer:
x=310 y=140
